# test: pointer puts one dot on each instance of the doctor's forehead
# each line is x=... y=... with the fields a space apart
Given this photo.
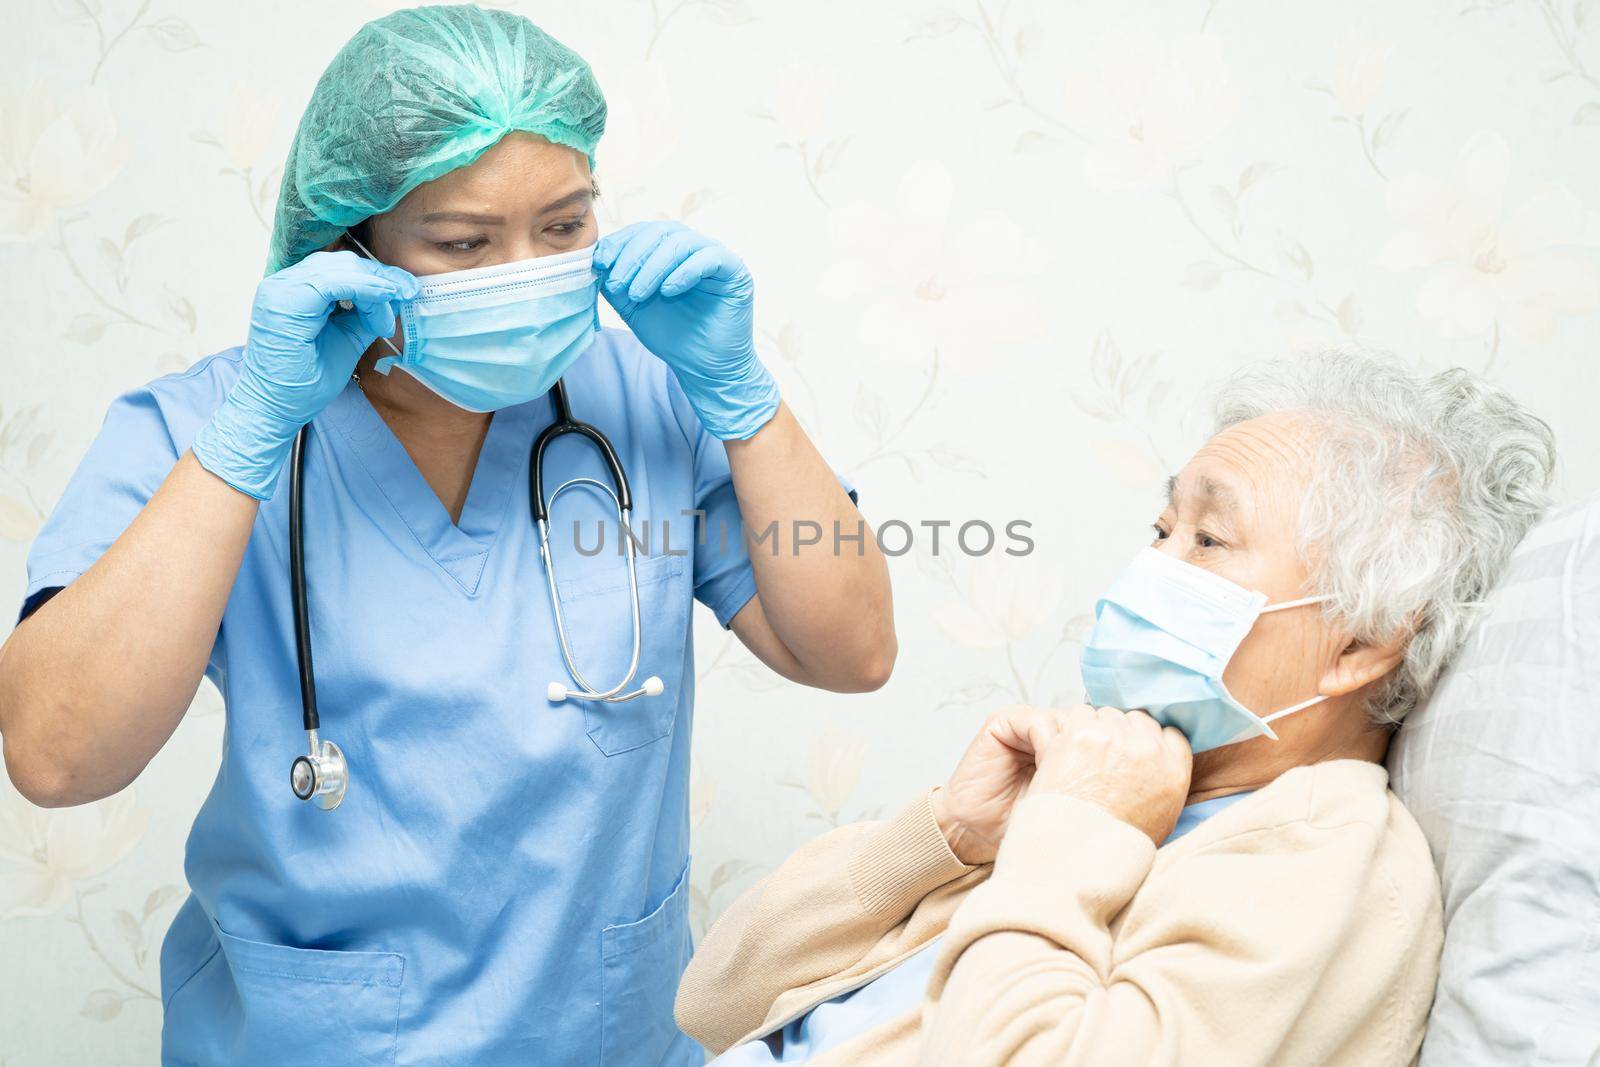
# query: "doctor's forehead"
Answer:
x=522 y=174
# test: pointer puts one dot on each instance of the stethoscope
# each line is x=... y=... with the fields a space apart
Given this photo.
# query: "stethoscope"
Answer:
x=322 y=772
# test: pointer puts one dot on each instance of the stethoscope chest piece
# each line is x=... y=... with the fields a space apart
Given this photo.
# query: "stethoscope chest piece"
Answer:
x=322 y=774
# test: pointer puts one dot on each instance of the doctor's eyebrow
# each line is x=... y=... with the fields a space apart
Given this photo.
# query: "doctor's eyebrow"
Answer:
x=463 y=216
x=572 y=199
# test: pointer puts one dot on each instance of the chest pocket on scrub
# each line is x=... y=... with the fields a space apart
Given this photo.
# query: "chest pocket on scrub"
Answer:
x=600 y=633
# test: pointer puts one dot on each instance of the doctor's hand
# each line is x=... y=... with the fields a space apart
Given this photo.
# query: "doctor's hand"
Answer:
x=301 y=350
x=691 y=301
x=974 y=806
x=1124 y=762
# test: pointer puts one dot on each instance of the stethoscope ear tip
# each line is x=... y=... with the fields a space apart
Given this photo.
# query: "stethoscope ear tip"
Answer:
x=653 y=686
x=556 y=693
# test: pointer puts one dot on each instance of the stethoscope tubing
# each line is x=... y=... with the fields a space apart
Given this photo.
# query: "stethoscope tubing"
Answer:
x=297 y=579
x=563 y=424
x=323 y=773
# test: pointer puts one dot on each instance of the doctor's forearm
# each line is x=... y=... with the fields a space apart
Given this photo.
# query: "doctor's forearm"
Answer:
x=828 y=602
x=93 y=684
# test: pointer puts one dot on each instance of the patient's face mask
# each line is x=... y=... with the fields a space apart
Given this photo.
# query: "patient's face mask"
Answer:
x=1163 y=635
x=493 y=337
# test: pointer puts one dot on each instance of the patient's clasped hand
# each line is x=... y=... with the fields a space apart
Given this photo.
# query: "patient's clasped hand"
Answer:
x=1089 y=887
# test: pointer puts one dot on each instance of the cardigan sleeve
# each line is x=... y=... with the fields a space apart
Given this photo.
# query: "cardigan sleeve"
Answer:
x=814 y=917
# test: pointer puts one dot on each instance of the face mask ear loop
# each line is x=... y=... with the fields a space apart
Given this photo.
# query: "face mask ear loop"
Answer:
x=347 y=305
x=1302 y=602
x=1303 y=705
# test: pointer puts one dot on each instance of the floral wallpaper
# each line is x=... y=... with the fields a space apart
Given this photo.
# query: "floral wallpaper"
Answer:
x=1003 y=250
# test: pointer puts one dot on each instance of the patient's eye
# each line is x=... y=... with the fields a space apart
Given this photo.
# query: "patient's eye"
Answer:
x=1161 y=533
x=1205 y=540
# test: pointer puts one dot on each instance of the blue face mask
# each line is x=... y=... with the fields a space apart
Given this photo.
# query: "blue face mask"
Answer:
x=493 y=337
x=1163 y=634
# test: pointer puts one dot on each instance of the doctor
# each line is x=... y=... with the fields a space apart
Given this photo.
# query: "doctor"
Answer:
x=506 y=877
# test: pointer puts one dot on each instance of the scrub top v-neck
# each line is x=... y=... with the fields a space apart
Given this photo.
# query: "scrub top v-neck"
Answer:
x=459 y=547
x=506 y=881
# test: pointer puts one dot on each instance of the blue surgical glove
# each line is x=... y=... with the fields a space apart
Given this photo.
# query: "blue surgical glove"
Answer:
x=299 y=355
x=692 y=302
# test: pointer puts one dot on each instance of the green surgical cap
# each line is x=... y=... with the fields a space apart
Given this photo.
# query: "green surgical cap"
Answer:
x=415 y=95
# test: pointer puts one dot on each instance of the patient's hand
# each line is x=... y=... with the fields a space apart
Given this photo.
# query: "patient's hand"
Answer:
x=1122 y=761
x=975 y=805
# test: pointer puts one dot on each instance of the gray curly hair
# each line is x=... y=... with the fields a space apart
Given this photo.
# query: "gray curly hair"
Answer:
x=1424 y=485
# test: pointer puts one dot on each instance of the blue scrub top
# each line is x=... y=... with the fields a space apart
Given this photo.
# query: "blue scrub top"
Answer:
x=507 y=879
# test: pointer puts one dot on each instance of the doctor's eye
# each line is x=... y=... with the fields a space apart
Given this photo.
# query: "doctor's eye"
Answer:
x=567 y=229
x=470 y=244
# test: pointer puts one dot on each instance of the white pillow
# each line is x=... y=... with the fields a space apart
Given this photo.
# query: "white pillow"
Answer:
x=1501 y=768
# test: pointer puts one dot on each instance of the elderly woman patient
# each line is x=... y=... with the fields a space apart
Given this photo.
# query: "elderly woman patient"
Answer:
x=1083 y=890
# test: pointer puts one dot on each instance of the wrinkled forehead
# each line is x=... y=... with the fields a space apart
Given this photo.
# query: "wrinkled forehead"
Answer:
x=1251 y=472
